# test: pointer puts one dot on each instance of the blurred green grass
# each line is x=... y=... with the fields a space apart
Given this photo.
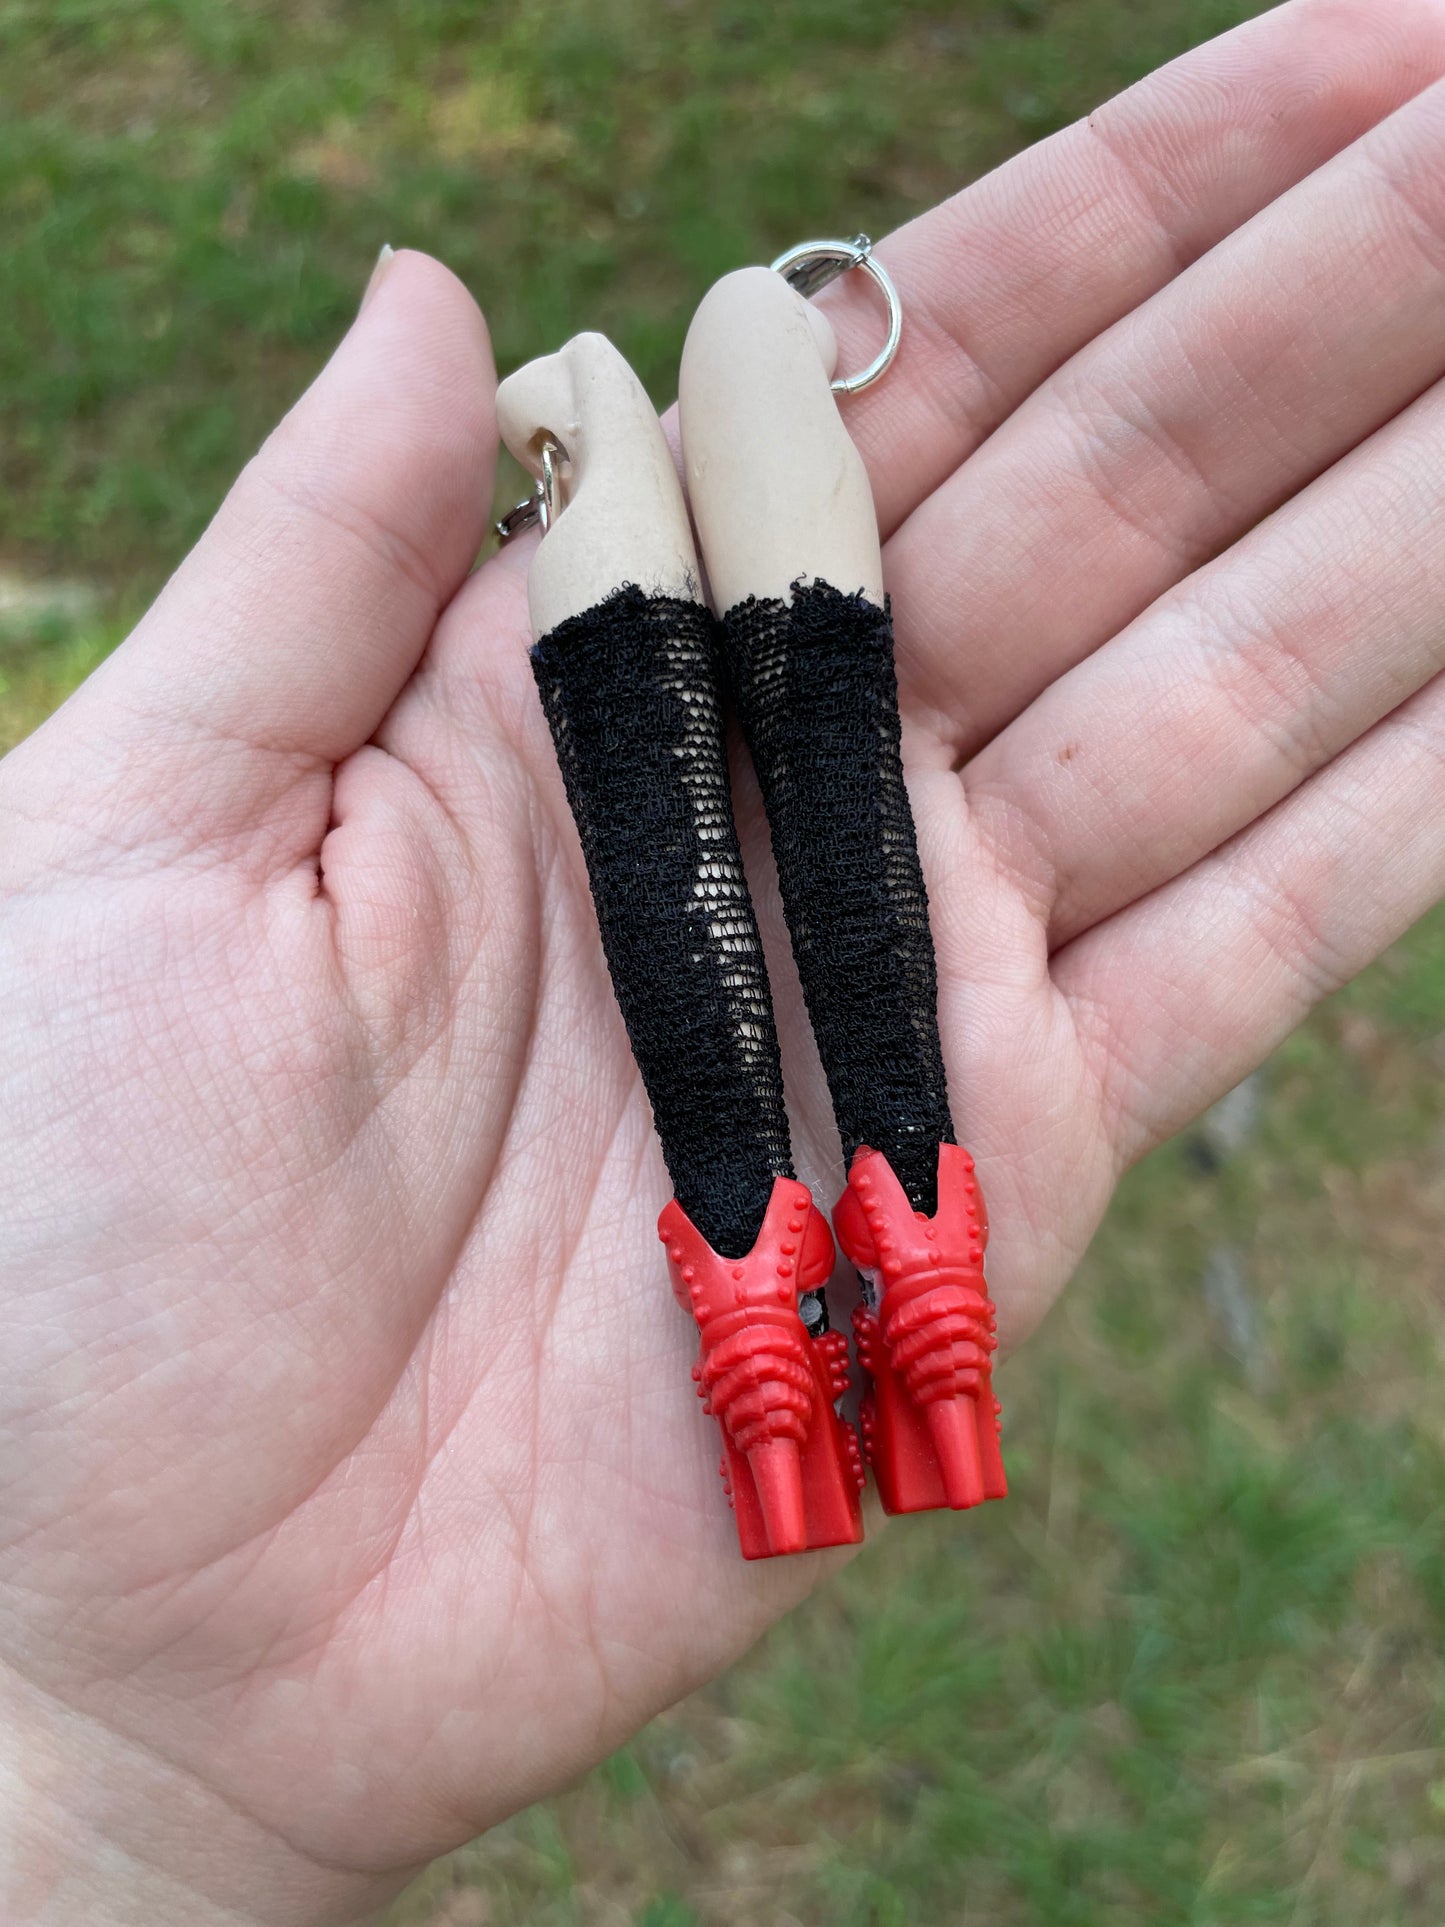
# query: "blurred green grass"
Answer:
x=1191 y=1672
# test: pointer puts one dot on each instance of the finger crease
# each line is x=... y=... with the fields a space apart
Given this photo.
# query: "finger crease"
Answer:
x=395 y=551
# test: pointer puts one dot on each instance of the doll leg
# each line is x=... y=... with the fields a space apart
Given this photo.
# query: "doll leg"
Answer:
x=815 y=690
x=787 y=531
x=627 y=675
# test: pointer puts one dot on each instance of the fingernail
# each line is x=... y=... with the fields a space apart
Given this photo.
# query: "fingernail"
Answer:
x=378 y=274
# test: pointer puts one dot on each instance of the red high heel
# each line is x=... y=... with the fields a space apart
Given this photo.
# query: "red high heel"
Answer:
x=930 y=1421
x=791 y=1466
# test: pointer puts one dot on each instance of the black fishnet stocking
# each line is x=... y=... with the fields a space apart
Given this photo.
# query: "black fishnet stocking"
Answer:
x=630 y=691
x=816 y=692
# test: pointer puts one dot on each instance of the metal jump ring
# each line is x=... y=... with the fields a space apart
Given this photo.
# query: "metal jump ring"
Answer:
x=542 y=507
x=813 y=264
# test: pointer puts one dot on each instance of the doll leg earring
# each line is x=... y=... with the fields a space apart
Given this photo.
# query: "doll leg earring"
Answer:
x=624 y=662
x=787 y=529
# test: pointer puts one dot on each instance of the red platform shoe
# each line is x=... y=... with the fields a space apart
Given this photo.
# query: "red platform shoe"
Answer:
x=925 y=1335
x=791 y=1466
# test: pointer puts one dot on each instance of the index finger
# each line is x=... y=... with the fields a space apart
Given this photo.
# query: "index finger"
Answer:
x=1002 y=283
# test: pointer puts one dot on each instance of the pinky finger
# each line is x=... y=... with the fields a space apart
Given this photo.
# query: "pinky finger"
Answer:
x=1182 y=994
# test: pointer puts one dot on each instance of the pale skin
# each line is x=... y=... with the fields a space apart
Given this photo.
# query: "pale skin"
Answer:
x=625 y=519
x=354 y=1488
x=778 y=490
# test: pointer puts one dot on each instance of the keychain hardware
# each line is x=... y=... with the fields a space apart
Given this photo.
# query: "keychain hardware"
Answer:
x=541 y=508
x=809 y=267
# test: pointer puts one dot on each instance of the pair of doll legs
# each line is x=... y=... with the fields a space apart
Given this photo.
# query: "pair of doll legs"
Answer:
x=629 y=661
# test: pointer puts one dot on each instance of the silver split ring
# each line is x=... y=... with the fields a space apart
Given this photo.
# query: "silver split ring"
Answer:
x=542 y=507
x=813 y=264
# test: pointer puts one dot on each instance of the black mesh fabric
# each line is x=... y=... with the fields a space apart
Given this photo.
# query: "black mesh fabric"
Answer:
x=817 y=696
x=630 y=692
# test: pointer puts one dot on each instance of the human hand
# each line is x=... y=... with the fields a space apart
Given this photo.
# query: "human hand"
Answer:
x=354 y=1488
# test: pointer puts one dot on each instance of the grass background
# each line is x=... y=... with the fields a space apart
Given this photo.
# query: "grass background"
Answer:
x=1192 y=1672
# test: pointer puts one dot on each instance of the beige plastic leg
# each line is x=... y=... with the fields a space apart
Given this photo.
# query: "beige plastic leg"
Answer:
x=778 y=491
x=624 y=519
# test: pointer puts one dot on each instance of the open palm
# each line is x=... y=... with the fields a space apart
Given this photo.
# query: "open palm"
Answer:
x=354 y=1489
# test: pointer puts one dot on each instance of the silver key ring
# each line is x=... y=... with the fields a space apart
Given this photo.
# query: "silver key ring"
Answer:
x=813 y=264
x=542 y=507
